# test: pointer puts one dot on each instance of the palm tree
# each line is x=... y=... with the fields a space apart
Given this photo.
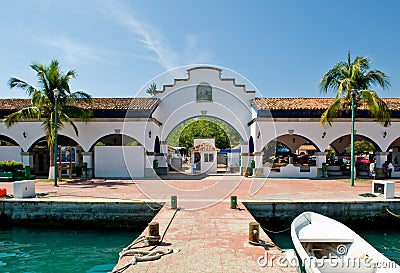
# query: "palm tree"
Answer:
x=42 y=100
x=344 y=77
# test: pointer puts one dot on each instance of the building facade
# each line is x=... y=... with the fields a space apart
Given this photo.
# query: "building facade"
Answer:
x=126 y=137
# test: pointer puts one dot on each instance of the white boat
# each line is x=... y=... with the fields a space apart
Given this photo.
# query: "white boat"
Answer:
x=324 y=245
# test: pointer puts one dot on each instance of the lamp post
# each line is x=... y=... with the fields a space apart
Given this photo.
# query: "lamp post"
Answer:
x=56 y=93
x=353 y=95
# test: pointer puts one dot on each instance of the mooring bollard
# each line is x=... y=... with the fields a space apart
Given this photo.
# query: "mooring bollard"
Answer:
x=174 y=202
x=254 y=233
x=153 y=233
x=233 y=202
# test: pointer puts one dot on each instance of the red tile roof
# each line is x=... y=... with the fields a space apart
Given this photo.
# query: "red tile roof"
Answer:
x=151 y=103
x=307 y=103
x=98 y=104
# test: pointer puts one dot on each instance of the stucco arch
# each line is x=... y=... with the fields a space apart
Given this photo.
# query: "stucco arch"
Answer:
x=115 y=140
x=294 y=141
x=241 y=138
x=343 y=141
x=8 y=139
x=62 y=140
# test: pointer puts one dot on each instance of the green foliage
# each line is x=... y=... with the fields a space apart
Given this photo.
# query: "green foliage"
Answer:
x=6 y=143
x=361 y=147
x=70 y=104
x=204 y=127
x=344 y=77
x=50 y=78
x=11 y=166
x=152 y=90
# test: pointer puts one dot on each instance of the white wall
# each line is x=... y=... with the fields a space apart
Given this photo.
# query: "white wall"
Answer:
x=117 y=161
x=230 y=102
x=8 y=153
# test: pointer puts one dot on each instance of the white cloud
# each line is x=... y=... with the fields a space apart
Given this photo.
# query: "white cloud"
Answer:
x=73 y=51
x=155 y=42
x=149 y=37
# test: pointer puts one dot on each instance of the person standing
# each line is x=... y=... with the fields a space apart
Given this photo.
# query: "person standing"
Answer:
x=390 y=168
x=384 y=168
x=372 y=169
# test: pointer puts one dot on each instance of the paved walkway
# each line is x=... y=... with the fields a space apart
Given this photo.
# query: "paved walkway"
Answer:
x=211 y=236
x=214 y=188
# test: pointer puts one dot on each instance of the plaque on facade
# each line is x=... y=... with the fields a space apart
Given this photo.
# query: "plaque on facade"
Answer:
x=204 y=92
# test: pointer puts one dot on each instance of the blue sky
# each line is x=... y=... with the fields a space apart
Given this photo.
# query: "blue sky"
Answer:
x=117 y=47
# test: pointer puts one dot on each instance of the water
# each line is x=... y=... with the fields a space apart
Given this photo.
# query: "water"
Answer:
x=39 y=250
x=384 y=240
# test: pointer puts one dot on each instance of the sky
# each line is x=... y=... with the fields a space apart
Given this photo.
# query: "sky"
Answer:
x=119 y=47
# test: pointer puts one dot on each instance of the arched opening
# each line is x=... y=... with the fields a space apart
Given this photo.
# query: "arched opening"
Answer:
x=7 y=141
x=127 y=156
x=71 y=151
x=116 y=140
x=338 y=157
x=9 y=149
x=203 y=145
x=290 y=149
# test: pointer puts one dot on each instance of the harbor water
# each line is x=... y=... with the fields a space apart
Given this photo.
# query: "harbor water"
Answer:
x=42 y=250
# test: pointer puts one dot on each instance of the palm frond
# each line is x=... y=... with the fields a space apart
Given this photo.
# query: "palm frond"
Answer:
x=14 y=82
x=377 y=77
x=28 y=113
x=73 y=111
x=331 y=113
x=377 y=107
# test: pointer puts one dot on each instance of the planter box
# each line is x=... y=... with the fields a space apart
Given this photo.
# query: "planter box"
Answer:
x=12 y=176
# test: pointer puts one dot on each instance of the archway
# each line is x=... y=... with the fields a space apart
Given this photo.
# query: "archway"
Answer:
x=185 y=146
x=338 y=155
x=127 y=157
x=9 y=149
x=41 y=158
x=290 y=149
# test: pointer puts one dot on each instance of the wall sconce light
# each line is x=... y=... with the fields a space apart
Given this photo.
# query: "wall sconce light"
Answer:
x=258 y=135
x=384 y=134
x=323 y=134
x=149 y=134
x=291 y=132
x=117 y=131
x=24 y=134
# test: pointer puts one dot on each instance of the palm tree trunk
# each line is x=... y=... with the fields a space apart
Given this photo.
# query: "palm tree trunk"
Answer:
x=51 y=168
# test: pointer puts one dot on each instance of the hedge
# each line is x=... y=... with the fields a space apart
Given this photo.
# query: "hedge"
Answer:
x=11 y=166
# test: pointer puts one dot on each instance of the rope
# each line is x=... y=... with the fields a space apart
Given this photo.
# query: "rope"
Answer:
x=144 y=255
x=165 y=231
x=154 y=209
x=270 y=231
x=395 y=215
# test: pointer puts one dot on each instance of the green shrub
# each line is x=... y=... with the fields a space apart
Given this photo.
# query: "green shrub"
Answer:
x=11 y=166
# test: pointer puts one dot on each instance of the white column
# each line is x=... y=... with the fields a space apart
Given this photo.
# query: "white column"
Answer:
x=381 y=157
x=27 y=159
x=162 y=158
x=87 y=157
x=244 y=155
x=320 y=158
x=259 y=170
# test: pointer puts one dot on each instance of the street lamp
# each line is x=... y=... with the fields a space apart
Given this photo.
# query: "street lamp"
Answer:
x=56 y=92
x=353 y=96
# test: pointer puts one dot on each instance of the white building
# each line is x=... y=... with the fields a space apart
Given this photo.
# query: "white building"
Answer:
x=119 y=139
